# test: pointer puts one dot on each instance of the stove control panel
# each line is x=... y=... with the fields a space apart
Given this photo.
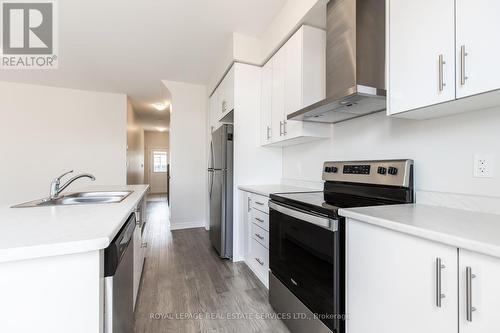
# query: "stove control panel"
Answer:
x=385 y=172
x=363 y=169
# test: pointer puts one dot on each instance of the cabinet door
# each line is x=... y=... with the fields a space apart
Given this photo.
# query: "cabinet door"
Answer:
x=214 y=111
x=266 y=103
x=222 y=99
x=421 y=53
x=229 y=90
x=392 y=282
x=278 y=94
x=478 y=52
x=293 y=82
x=484 y=290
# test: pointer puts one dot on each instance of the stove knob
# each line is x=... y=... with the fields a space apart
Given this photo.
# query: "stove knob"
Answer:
x=334 y=169
x=328 y=169
x=382 y=170
x=392 y=171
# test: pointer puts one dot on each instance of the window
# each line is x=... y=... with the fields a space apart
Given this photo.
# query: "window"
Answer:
x=159 y=161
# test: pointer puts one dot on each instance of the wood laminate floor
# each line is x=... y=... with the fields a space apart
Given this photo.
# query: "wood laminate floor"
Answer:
x=187 y=288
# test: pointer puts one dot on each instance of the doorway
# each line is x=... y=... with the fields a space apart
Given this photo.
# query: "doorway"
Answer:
x=158 y=170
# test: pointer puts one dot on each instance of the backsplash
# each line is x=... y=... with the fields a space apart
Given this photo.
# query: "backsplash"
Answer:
x=443 y=150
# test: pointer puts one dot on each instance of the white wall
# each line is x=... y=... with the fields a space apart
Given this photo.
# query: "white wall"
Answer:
x=188 y=186
x=45 y=131
x=257 y=50
x=443 y=150
x=135 y=148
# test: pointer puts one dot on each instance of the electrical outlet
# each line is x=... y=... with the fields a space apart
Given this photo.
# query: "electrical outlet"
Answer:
x=483 y=165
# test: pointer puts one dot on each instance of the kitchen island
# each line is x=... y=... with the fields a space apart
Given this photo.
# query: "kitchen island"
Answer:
x=52 y=263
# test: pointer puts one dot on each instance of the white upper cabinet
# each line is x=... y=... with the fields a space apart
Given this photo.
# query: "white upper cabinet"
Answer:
x=228 y=92
x=266 y=103
x=479 y=276
x=477 y=46
x=278 y=94
x=441 y=58
x=421 y=53
x=214 y=111
x=298 y=80
x=223 y=97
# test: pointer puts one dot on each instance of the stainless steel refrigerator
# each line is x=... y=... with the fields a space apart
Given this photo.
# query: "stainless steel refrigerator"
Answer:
x=220 y=173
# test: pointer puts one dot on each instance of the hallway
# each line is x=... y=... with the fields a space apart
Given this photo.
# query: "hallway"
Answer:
x=187 y=288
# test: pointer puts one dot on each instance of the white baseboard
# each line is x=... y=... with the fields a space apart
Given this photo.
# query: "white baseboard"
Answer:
x=187 y=225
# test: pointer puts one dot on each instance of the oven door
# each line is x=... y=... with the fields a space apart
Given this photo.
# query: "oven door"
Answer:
x=304 y=251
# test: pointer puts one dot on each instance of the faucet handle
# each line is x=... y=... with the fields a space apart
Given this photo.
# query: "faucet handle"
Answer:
x=58 y=179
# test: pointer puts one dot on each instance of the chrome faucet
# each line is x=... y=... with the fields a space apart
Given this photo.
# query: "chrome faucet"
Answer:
x=56 y=188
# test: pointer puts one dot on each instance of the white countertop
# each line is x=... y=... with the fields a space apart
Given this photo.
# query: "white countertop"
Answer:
x=468 y=230
x=267 y=190
x=48 y=231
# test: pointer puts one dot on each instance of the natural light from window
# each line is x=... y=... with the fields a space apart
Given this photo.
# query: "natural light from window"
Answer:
x=159 y=161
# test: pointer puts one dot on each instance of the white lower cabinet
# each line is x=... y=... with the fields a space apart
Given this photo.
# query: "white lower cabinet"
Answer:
x=392 y=282
x=482 y=273
x=401 y=283
x=258 y=261
x=257 y=236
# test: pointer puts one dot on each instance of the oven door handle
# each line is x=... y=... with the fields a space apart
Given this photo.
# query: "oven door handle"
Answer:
x=318 y=220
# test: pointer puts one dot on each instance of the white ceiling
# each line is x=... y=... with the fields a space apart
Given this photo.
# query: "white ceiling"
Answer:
x=129 y=46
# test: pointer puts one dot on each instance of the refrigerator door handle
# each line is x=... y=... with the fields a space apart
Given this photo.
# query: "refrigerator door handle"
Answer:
x=211 y=175
x=212 y=156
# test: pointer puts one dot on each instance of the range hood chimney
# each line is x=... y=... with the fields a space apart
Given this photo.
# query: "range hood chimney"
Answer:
x=355 y=63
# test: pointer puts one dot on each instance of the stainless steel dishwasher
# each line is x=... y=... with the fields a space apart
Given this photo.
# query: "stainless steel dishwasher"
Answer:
x=119 y=281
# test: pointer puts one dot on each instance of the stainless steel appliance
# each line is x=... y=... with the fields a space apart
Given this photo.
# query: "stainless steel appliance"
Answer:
x=355 y=63
x=118 y=281
x=220 y=173
x=307 y=236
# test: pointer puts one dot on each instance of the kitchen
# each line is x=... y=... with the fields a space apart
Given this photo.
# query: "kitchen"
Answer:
x=351 y=155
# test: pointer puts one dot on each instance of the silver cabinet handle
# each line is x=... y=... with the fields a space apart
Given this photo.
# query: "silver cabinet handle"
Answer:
x=259 y=203
x=468 y=293
x=281 y=128
x=259 y=236
x=224 y=106
x=284 y=127
x=144 y=244
x=268 y=133
x=259 y=220
x=259 y=261
x=439 y=294
x=463 y=54
x=249 y=204
x=441 y=73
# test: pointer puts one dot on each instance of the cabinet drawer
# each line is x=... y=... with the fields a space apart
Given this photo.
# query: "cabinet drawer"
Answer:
x=260 y=218
x=260 y=235
x=259 y=261
x=260 y=202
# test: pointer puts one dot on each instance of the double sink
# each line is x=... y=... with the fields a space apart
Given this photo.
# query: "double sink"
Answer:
x=79 y=198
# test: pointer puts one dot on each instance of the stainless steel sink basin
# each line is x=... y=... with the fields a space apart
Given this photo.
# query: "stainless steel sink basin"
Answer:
x=79 y=198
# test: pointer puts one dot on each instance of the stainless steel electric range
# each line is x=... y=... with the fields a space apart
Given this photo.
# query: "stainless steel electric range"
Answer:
x=307 y=239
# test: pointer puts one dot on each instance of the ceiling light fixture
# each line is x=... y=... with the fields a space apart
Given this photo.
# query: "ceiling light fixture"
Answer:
x=160 y=106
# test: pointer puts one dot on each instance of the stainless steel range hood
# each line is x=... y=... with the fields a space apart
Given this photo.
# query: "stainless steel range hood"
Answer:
x=355 y=63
